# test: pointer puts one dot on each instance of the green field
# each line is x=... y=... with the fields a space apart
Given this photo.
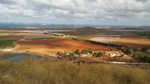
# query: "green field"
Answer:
x=7 y=43
x=8 y=32
x=46 y=72
x=142 y=33
x=8 y=36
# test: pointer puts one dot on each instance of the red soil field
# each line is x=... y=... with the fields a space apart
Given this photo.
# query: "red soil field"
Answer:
x=50 y=46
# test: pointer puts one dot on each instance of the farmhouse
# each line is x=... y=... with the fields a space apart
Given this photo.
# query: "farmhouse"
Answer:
x=112 y=53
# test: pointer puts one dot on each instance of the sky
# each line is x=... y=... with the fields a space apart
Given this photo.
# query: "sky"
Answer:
x=93 y=12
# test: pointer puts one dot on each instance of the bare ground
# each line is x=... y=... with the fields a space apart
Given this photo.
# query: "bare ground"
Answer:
x=50 y=46
x=133 y=41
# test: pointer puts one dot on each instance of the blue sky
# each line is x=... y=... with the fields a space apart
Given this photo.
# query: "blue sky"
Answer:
x=96 y=12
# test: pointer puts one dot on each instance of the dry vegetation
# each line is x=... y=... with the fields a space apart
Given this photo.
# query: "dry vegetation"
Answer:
x=7 y=54
x=51 y=46
x=31 y=72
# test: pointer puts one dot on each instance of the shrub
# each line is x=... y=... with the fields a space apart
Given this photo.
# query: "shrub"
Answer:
x=46 y=72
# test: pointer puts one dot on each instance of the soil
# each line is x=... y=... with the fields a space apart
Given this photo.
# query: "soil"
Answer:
x=50 y=46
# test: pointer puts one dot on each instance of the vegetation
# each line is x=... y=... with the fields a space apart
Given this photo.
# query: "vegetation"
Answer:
x=7 y=43
x=143 y=33
x=7 y=54
x=140 y=55
x=146 y=34
x=66 y=56
x=8 y=32
x=8 y=36
x=99 y=54
x=32 y=72
x=78 y=53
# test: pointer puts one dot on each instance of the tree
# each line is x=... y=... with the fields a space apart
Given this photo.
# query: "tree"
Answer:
x=77 y=51
x=71 y=56
x=84 y=51
x=131 y=51
x=90 y=50
x=144 y=49
x=99 y=54
x=94 y=54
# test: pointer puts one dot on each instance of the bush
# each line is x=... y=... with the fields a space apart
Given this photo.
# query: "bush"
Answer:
x=32 y=72
x=99 y=54
x=77 y=51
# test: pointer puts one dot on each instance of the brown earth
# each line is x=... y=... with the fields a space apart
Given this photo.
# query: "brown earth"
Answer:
x=11 y=37
x=133 y=41
x=103 y=39
x=34 y=36
x=24 y=35
x=50 y=46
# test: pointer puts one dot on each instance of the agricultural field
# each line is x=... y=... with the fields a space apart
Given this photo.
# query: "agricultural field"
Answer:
x=8 y=37
x=7 y=44
x=133 y=40
x=103 y=39
x=36 y=36
x=8 y=31
x=50 y=46
x=80 y=55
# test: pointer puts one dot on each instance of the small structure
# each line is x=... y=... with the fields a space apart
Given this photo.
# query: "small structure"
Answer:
x=112 y=53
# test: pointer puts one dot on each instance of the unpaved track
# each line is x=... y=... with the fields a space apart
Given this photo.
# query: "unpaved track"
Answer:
x=16 y=45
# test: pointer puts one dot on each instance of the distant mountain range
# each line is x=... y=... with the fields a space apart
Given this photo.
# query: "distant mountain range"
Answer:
x=40 y=25
x=34 y=25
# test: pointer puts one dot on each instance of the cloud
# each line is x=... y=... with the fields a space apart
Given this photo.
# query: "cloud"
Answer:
x=75 y=11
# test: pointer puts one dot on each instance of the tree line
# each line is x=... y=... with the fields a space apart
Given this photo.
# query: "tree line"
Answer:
x=140 y=55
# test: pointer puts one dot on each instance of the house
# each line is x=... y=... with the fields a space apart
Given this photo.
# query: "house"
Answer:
x=112 y=53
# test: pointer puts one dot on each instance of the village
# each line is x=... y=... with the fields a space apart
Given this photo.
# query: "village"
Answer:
x=89 y=53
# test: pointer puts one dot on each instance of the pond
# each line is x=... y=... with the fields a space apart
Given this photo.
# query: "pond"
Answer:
x=20 y=57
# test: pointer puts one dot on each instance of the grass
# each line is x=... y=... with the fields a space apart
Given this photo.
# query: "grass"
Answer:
x=142 y=33
x=8 y=32
x=7 y=43
x=46 y=72
x=7 y=54
x=8 y=36
x=146 y=34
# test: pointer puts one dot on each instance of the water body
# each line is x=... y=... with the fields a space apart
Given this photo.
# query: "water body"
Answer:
x=20 y=57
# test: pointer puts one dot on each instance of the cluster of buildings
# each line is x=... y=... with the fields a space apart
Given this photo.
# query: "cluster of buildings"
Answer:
x=107 y=53
x=113 y=53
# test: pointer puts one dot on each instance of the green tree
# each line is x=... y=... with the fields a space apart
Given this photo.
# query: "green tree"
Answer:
x=144 y=49
x=94 y=54
x=99 y=54
x=131 y=51
x=77 y=51
x=84 y=51
x=90 y=50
